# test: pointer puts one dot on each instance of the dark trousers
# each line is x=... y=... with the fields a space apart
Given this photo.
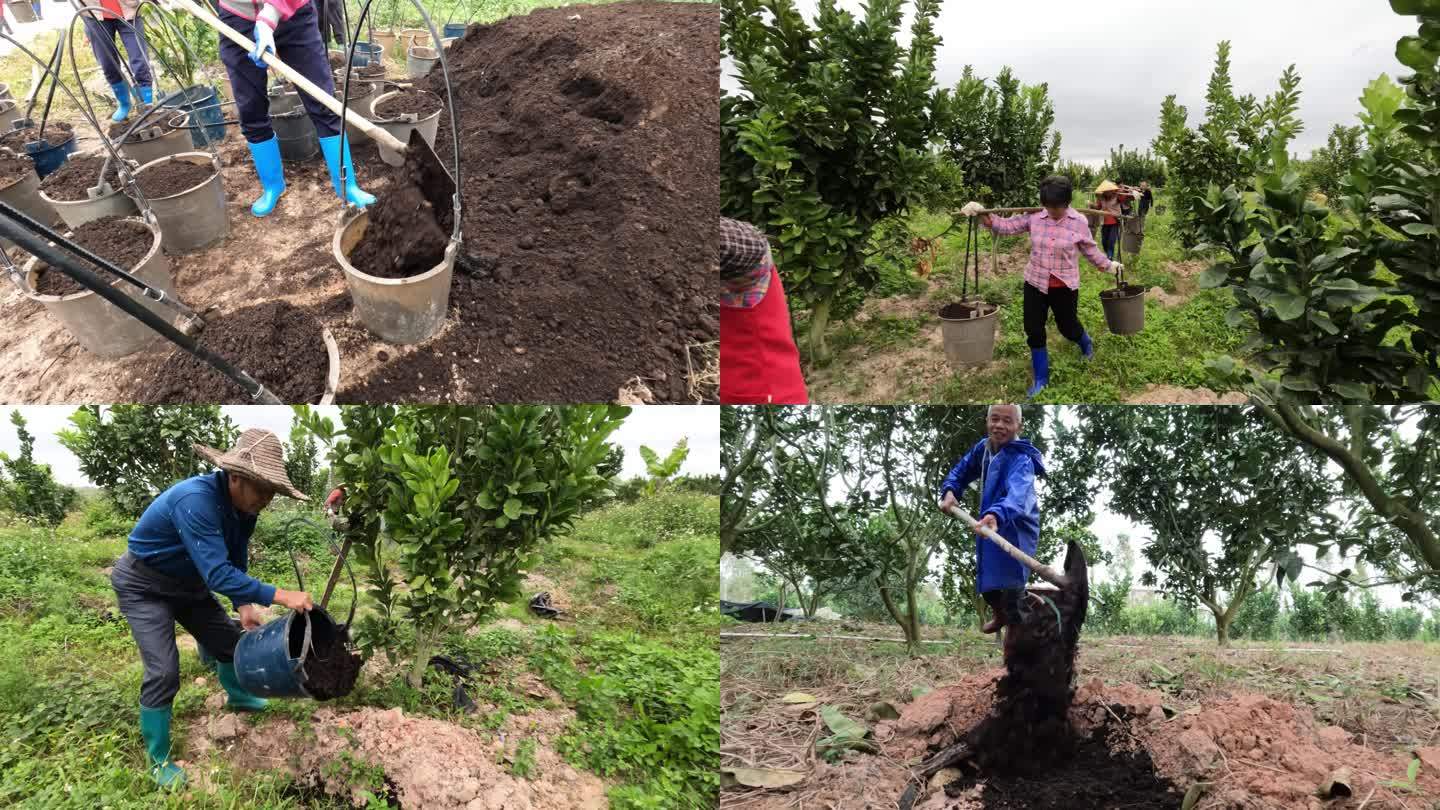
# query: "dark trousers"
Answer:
x=152 y=603
x=297 y=43
x=332 y=25
x=102 y=33
x=1110 y=236
x=1064 y=302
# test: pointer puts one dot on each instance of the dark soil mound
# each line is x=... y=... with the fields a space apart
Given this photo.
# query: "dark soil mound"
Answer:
x=70 y=182
x=173 y=177
x=275 y=343
x=590 y=159
x=55 y=132
x=421 y=104
x=331 y=672
x=402 y=238
x=123 y=242
x=14 y=168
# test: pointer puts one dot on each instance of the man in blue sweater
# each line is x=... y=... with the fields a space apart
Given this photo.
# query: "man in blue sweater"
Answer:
x=194 y=539
x=1006 y=467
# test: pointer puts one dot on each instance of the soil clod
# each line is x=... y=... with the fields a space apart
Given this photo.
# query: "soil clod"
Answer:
x=403 y=237
x=331 y=671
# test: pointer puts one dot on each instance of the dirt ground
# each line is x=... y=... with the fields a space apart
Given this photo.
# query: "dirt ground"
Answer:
x=1256 y=726
x=41 y=363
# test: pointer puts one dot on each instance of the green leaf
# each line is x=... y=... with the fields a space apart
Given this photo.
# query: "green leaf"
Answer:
x=512 y=508
x=1288 y=306
x=842 y=726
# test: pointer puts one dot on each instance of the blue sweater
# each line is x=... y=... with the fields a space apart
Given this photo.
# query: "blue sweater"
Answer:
x=1007 y=491
x=192 y=532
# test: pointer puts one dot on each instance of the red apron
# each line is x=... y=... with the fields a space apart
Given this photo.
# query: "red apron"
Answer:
x=759 y=363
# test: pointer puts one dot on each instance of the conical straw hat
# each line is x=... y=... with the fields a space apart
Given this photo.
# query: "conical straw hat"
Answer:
x=257 y=455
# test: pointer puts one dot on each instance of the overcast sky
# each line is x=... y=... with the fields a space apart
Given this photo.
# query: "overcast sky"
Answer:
x=1109 y=66
x=659 y=426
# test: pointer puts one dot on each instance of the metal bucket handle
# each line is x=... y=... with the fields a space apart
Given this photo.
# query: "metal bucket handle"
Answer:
x=330 y=540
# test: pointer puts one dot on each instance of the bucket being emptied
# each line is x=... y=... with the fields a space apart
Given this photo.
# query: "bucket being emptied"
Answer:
x=968 y=329
x=1124 y=309
x=297 y=655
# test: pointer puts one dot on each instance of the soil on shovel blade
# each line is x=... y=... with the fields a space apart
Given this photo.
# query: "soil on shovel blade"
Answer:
x=1123 y=291
x=590 y=159
x=277 y=344
x=122 y=241
x=56 y=133
x=423 y=105
x=172 y=177
x=69 y=182
x=331 y=672
x=14 y=168
x=403 y=237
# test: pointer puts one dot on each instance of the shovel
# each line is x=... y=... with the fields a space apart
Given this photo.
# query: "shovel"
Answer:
x=429 y=173
x=1045 y=572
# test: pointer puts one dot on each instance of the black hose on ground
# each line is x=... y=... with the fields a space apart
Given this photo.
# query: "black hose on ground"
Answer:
x=10 y=228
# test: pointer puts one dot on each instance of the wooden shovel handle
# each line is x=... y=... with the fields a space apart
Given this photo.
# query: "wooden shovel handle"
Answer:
x=333 y=104
x=1041 y=570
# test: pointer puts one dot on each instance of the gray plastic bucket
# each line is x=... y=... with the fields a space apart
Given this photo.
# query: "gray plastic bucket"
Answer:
x=969 y=338
x=152 y=143
x=1124 y=309
x=398 y=310
x=75 y=213
x=410 y=37
x=419 y=60
x=403 y=126
x=5 y=92
x=196 y=217
x=98 y=325
x=296 y=134
x=10 y=112
x=361 y=96
x=24 y=194
x=283 y=100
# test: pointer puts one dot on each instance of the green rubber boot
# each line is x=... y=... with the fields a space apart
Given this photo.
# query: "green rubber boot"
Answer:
x=155 y=730
x=239 y=700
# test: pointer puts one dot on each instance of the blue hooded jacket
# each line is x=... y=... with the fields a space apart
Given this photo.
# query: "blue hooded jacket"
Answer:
x=1007 y=491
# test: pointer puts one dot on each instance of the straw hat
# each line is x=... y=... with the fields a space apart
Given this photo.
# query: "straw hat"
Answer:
x=257 y=455
x=1106 y=186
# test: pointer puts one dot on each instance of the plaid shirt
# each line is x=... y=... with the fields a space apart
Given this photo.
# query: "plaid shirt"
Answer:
x=745 y=264
x=1053 y=245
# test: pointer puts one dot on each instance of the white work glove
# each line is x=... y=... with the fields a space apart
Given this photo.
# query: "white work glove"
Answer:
x=264 y=35
x=1117 y=268
x=972 y=209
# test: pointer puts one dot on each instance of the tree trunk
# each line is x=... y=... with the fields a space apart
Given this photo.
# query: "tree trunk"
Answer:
x=907 y=624
x=981 y=609
x=1222 y=627
x=416 y=676
x=912 y=629
x=819 y=322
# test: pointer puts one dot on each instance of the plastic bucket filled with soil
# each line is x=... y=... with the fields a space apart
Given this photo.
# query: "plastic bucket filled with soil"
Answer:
x=20 y=187
x=419 y=59
x=164 y=134
x=187 y=195
x=68 y=189
x=206 y=124
x=366 y=53
x=372 y=72
x=400 y=112
x=361 y=96
x=385 y=38
x=281 y=346
x=1124 y=309
x=968 y=329
x=99 y=326
x=297 y=655
x=296 y=134
x=398 y=268
x=49 y=154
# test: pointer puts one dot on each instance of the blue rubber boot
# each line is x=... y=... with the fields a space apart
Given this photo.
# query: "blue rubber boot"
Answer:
x=122 y=97
x=238 y=699
x=146 y=95
x=155 y=731
x=1087 y=346
x=1040 y=362
x=335 y=150
x=266 y=155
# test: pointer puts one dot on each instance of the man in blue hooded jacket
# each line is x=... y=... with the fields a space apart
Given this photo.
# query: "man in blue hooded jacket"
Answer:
x=1006 y=467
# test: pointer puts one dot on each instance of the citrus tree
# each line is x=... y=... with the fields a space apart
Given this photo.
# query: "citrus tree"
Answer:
x=447 y=505
x=28 y=488
x=999 y=136
x=828 y=139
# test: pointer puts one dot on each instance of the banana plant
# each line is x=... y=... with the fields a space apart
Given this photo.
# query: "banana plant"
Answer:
x=662 y=470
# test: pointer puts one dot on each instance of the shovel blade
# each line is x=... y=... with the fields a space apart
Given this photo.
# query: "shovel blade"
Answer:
x=432 y=178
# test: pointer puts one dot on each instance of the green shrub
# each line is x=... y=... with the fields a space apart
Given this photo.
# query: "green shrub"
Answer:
x=1165 y=618
x=1404 y=624
x=652 y=520
x=670 y=582
x=1259 y=616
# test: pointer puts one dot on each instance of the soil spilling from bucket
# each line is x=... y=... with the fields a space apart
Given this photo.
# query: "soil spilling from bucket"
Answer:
x=173 y=176
x=421 y=104
x=14 y=168
x=590 y=158
x=276 y=343
x=1123 y=291
x=965 y=312
x=403 y=237
x=56 y=133
x=331 y=672
x=70 y=182
x=124 y=242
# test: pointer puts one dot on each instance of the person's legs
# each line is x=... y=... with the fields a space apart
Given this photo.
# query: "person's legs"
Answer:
x=253 y=105
x=137 y=52
x=1065 y=303
x=217 y=634
x=1110 y=235
x=101 y=34
x=1037 y=305
x=152 y=624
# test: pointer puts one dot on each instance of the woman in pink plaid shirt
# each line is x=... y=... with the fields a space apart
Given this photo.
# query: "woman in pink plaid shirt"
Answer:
x=1052 y=278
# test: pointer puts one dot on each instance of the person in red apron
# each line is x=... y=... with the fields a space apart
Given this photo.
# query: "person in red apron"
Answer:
x=101 y=28
x=759 y=362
